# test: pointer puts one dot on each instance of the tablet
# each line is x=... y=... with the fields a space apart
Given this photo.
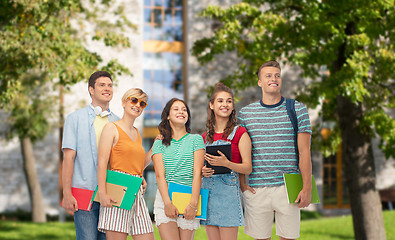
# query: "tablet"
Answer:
x=225 y=149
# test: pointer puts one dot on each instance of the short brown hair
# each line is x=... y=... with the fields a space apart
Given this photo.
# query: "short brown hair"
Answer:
x=96 y=75
x=269 y=64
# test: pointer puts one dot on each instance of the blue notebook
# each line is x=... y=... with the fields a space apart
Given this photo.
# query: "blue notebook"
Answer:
x=179 y=188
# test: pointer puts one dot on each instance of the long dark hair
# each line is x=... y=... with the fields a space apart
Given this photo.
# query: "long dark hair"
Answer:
x=210 y=123
x=164 y=126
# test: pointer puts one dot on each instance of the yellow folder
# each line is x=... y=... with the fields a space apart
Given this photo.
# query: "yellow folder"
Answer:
x=181 y=201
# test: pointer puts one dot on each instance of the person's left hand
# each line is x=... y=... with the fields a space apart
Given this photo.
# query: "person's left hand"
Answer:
x=304 y=198
x=144 y=184
x=220 y=160
x=190 y=213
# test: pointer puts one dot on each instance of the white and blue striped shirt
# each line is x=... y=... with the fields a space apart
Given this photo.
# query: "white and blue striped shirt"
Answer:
x=272 y=137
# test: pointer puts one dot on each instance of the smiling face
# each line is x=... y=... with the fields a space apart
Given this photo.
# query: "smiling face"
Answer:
x=131 y=108
x=178 y=113
x=270 y=80
x=102 y=92
x=222 y=105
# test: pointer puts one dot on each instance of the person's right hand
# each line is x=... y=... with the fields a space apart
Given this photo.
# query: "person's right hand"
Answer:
x=207 y=172
x=106 y=200
x=69 y=203
x=171 y=210
x=245 y=187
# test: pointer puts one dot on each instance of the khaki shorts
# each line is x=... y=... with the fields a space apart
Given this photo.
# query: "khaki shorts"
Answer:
x=268 y=203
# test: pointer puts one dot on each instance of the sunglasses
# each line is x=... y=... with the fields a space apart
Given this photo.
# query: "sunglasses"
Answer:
x=134 y=101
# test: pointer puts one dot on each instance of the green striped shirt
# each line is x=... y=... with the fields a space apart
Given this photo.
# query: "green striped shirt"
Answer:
x=178 y=157
x=272 y=137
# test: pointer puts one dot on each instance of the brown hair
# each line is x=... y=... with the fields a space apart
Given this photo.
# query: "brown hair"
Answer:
x=95 y=76
x=269 y=64
x=210 y=123
x=164 y=126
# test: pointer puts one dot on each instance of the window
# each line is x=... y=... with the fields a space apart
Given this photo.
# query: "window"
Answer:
x=163 y=60
x=335 y=192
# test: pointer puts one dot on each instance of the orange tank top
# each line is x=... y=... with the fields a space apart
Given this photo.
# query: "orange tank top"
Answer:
x=128 y=155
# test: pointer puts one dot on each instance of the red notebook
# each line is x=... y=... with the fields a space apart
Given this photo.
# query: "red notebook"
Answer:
x=83 y=197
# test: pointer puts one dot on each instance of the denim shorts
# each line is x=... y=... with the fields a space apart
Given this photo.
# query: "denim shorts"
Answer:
x=224 y=204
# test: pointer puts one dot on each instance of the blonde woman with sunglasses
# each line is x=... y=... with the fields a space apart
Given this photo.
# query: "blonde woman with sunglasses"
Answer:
x=121 y=148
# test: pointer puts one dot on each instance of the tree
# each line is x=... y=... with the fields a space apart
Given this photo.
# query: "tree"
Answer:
x=42 y=47
x=354 y=41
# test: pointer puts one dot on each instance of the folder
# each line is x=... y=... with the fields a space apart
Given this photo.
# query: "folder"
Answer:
x=294 y=184
x=183 y=199
x=131 y=183
x=83 y=197
x=226 y=149
x=117 y=192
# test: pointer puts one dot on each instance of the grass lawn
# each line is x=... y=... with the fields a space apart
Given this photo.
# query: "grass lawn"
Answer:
x=335 y=228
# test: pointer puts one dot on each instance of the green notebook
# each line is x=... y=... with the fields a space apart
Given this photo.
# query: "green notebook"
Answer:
x=131 y=183
x=294 y=184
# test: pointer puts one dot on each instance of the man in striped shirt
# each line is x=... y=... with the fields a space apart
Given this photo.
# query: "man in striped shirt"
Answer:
x=273 y=154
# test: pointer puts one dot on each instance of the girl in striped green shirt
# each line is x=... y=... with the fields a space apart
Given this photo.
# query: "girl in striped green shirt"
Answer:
x=177 y=158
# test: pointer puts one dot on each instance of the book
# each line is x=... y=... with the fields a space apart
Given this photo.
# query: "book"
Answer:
x=182 y=200
x=294 y=184
x=131 y=183
x=226 y=149
x=117 y=192
x=83 y=197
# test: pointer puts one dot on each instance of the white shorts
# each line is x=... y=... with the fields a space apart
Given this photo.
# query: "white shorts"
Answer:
x=133 y=222
x=160 y=216
x=266 y=203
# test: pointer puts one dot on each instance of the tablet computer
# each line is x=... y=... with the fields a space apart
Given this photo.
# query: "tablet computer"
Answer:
x=226 y=149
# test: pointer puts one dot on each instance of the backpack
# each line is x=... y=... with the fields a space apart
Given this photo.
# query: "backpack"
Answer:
x=290 y=105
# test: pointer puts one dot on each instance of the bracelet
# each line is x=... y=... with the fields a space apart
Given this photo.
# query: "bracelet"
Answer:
x=194 y=209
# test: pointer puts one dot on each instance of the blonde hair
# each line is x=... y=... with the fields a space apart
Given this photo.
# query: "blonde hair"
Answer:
x=135 y=92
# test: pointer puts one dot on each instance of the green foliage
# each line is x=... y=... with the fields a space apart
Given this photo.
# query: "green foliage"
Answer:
x=347 y=48
x=48 y=36
x=43 y=45
x=30 y=109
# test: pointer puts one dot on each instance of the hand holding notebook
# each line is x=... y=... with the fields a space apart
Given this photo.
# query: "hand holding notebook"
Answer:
x=180 y=195
x=294 y=184
x=126 y=185
x=226 y=149
x=117 y=192
x=181 y=201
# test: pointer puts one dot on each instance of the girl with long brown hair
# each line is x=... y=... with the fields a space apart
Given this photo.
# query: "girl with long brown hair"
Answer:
x=178 y=158
x=224 y=214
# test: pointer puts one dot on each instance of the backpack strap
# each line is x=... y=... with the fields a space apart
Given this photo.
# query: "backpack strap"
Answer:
x=290 y=105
